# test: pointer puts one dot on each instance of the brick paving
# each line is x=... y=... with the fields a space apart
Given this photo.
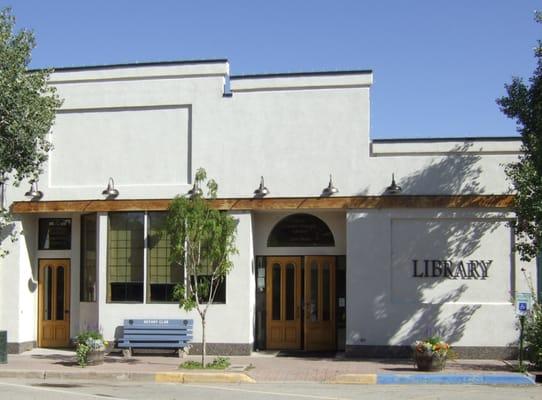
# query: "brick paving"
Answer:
x=263 y=367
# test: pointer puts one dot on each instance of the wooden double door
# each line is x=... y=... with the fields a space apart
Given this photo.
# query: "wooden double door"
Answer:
x=54 y=303
x=300 y=303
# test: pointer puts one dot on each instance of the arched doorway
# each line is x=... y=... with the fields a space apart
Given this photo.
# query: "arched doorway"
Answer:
x=300 y=290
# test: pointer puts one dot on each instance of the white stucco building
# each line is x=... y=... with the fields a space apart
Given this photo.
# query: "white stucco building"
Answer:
x=362 y=270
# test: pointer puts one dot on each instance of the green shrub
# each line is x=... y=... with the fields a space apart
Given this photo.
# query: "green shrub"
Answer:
x=81 y=354
x=217 y=363
x=191 y=365
x=533 y=335
x=84 y=336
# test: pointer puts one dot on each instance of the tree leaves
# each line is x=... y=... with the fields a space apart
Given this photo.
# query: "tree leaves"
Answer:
x=27 y=104
x=524 y=103
x=202 y=241
x=27 y=111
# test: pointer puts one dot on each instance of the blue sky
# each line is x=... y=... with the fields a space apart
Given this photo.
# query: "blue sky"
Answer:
x=438 y=65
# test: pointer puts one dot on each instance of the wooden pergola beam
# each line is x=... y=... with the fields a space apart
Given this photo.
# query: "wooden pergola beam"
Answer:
x=293 y=203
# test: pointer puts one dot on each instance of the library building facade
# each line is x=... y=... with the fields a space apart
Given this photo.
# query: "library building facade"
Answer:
x=344 y=243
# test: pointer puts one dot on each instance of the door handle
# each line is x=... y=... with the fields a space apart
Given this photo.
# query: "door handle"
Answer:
x=67 y=312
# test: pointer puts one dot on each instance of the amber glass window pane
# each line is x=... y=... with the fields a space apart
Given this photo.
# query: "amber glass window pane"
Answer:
x=275 y=306
x=290 y=292
x=326 y=301
x=60 y=293
x=48 y=300
x=87 y=282
x=313 y=306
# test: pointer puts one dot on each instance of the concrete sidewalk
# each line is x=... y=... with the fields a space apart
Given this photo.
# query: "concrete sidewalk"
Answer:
x=259 y=367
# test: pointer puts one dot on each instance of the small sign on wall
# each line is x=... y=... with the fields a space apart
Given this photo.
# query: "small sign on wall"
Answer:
x=523 y=303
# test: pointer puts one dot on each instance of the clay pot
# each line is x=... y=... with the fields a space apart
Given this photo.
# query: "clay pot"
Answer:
x=95 y=357
x=429 y=362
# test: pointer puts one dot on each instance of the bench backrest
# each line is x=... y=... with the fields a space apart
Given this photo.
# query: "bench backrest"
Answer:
x=159 y=324
x=156 y=333
x=158 y=329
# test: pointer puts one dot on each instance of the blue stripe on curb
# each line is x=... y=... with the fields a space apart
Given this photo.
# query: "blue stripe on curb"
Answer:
x=454 y=379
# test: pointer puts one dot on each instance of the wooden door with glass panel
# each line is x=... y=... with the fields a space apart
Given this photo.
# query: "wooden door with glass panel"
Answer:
x=319 y=325
x=54 y=303
x=283 y=298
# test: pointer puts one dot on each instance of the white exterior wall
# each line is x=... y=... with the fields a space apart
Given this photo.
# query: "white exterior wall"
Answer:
x=388 y=306
x=294 y=131
x=118 y=127
x=14 y=295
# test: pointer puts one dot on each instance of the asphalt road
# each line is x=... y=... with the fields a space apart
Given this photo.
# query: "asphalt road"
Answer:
x=18 y=389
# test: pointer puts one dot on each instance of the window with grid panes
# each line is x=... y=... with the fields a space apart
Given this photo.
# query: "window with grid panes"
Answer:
x=204 y=278
x=162 y=275
x=88 y=258
x=125 y=256
x=220 y=294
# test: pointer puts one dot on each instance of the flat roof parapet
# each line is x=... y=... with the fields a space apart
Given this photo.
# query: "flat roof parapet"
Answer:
x=213 y=67
x=446 y=146
x=301 y=81
x=146 y=70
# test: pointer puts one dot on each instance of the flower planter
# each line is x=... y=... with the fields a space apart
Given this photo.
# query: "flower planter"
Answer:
x=429 y=361
x=95 y=357
x=90 y=348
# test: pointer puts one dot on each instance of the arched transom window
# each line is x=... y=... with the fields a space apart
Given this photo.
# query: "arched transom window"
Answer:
x=300 y=230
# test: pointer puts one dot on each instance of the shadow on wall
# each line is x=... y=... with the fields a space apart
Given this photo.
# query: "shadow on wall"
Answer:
x=427 y=320
x=363 y=191
x=7 y=232
x=30 y=224
x=457 y=173
x=422 y=308
x=425 y=315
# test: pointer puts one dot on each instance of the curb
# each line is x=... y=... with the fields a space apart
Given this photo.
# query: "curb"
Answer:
x=205 y=377
x=236 y=377
x=355 y=379
x=159 y=377
x=433 y=379
x=455 y=379
x=120 y=376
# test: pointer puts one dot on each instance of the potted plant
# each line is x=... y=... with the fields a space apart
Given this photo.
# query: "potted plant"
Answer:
x=90 y=348
x=430 y=354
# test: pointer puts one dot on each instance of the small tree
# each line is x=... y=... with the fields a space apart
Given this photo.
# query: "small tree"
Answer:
x=27 y=110
x=524 y=103
x=202 y=241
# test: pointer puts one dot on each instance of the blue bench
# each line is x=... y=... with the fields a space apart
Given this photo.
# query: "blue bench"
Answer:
x=156 y=334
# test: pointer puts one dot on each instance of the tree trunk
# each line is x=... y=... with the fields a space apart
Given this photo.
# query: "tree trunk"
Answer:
x=203 y=342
